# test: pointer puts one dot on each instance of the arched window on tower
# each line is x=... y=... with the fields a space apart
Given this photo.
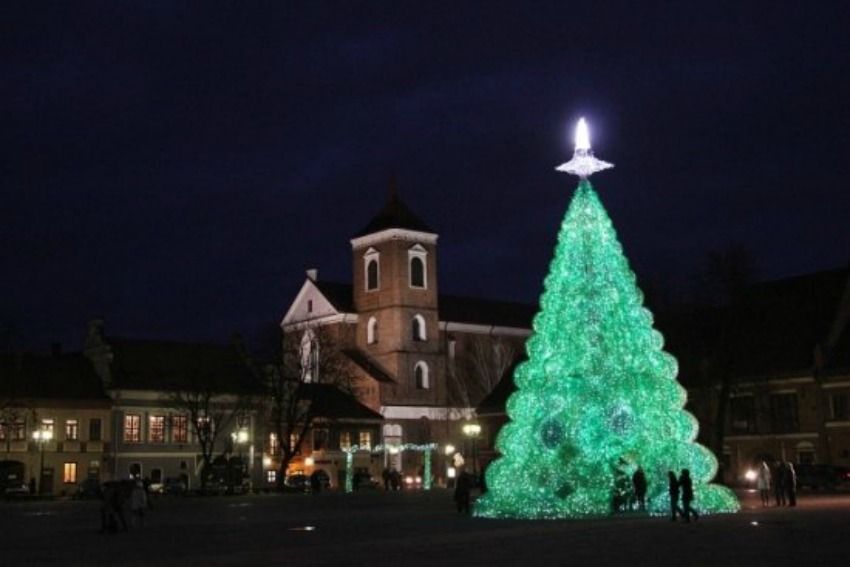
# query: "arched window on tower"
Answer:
x=416 y=257
x=372 y=269
x=420 y=374
x=372 y=331
x=418 y=326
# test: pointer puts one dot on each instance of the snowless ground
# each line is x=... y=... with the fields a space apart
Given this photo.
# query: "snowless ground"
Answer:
x=375 y=528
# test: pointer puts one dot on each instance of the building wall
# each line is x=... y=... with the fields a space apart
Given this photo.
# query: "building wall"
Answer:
x=67 y=462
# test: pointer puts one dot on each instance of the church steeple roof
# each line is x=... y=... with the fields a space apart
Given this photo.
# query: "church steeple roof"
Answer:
x=394 y=214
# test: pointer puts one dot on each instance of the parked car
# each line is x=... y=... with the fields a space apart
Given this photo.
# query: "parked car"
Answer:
x=300 y=482
x=16 y=490
x=819 y=477
x=174 y=486
x=89 y=489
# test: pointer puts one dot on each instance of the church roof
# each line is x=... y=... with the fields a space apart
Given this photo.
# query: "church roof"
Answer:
x=394 y=214
x=332 y=403
x=64 y=377
x=369 y=365
x=170 y=365
x=453 y=308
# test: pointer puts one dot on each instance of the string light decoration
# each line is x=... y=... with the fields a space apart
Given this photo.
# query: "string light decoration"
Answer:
x=425 y=449
x=598 y=396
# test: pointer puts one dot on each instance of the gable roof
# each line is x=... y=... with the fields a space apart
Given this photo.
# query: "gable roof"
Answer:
x=394 y=214
x=332 y=403
x=65 y=376
x=167 y=365
x=370 y=366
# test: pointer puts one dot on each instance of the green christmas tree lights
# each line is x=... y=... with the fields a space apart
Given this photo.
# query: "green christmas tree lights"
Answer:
x=598 y=396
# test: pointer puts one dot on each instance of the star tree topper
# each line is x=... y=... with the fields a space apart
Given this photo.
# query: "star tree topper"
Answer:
x=583 y=164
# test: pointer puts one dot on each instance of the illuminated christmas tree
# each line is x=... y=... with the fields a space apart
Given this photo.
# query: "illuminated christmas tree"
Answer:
x=598 y=396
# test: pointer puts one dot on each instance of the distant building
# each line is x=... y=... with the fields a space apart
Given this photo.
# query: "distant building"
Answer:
x=423 y=360
x=58 y=398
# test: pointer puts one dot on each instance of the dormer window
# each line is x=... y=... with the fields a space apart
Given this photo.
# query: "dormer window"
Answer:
x=420 y=374
x=416 y=262
x=418 y=327
x=372 y=331
x=372 y=269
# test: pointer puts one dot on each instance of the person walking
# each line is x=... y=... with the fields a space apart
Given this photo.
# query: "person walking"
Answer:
x=463 y=488
x=791 y=484
x=687 y=488
x=763 y=483
x=673 y=488
x=138 y=504
x=386 y=476
x=779 y=483
x=639 y=484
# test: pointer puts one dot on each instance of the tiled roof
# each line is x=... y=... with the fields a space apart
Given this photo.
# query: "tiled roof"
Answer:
x=395 y=214
x=452 y=308
x=66 y=376
x=332 y=403
x=165 y=365
x=369 y=365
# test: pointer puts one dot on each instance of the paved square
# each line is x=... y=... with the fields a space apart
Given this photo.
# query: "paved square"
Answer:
x=377 y=528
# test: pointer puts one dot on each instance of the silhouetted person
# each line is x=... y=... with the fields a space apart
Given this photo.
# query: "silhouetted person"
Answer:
x=639 y=485
x=462 y=492
x=779 y=483
x=791 y=484
x=687 y=488
x=315 y=483
x=763 y=483
x=673 y=488
x=395 y=479
x=32 y=486
x=386 y=476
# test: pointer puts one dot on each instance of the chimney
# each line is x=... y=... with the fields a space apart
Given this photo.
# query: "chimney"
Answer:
x=313 y=274
x=56 y=350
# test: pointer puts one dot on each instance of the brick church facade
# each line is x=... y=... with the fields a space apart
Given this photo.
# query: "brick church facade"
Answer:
x=412 y=349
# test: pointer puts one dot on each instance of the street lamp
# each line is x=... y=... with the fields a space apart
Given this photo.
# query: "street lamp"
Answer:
x=472 y=430
x=240 y=438
x=41 y=436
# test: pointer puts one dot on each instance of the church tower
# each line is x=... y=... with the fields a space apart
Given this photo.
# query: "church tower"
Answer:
x=395 y=296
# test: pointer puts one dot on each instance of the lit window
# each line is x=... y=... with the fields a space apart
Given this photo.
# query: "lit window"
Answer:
x=204 y=427
x=19 y=431
x=94 y=429
x=345 y=440
x=372 y=331
x=365 y=440
x=132 y=428
x=320 y=439
x=179 y=429
x=274 y=444
x=47 y=426
x=72 y=427
x=420 y=373
x=293 y=442
x=156 y=429
x=69 y=475
x=419 y=332
x=309 y=306
x=271 y=476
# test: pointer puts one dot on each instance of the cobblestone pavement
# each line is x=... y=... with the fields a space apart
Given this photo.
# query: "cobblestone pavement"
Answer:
x=403 y=529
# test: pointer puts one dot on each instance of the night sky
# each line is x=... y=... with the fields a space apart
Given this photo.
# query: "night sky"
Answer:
x=176 y=168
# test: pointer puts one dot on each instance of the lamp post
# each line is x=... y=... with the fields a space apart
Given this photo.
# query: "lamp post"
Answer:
x=472 y=430
x=240 y=438
x=41 y=436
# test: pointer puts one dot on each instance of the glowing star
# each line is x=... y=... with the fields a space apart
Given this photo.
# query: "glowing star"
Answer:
x=583 y=164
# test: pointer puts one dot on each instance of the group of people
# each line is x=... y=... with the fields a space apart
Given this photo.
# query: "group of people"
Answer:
x=681 y=489
x=115 y=497
x=782 y=479
x=630 y=493
x=392 y=479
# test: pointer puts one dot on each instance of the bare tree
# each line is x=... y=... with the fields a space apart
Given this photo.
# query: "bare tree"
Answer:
x=309 y=362
x=212 y=413
x=13 y=414
x=480 y=364
x=723 y=279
